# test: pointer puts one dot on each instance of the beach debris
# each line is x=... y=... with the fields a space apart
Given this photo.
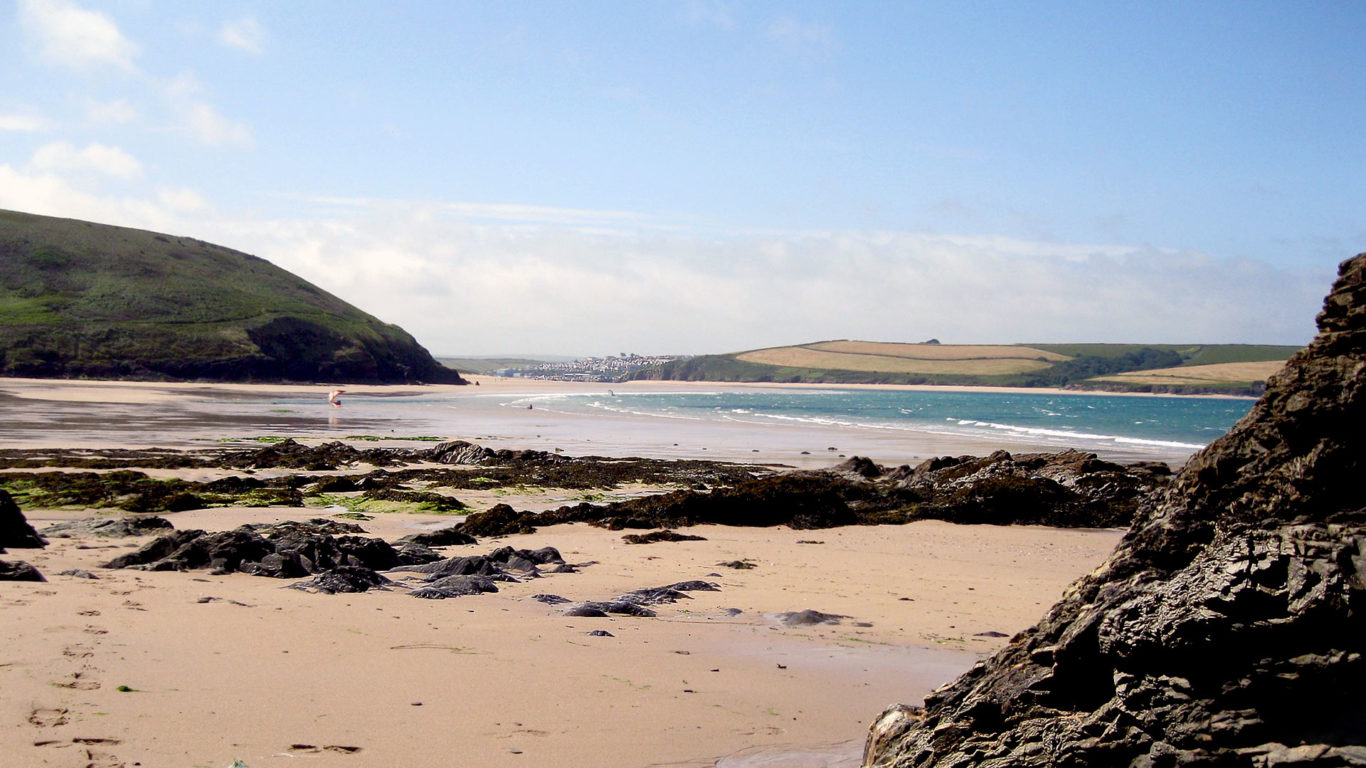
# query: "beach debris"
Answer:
x=600 y=633
x=657 y=536
x=807 y=618
x=109 y=527
x=15 y=530
x=19 y=571
x=739 y=565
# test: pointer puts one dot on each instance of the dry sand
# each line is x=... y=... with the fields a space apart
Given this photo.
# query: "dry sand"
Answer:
x=189 y=669
x=501 y=679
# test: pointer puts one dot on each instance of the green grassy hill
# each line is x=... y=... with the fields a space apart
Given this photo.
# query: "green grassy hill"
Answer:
x=79 y=299
x=1085 y=366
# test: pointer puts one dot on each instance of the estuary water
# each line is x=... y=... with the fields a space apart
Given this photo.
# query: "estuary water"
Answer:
x=1095 y=422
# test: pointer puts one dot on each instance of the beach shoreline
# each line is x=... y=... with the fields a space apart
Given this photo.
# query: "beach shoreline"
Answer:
x=111 y=414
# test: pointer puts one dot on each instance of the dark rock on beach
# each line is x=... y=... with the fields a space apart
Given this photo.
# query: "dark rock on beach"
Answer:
x=501 y=564
x=344 y=579
x=444 y=537
x=19 y=571
x=284 y=550
x=1225 y=630
x=654 y=537
x=454 y=586
x=15 y=530
x=109 y=527
x=808 y=618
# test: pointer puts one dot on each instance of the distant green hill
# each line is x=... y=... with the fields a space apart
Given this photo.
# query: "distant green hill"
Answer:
x=79 y=299
x=1222 y=368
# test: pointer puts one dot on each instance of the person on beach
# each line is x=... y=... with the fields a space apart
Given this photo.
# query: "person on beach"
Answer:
x=334 y=397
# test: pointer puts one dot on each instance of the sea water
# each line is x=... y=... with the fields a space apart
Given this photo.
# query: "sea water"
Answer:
x=1084 y=421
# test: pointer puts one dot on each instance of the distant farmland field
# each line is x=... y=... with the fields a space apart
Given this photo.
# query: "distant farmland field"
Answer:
x=1196 y=375
x=952 y=359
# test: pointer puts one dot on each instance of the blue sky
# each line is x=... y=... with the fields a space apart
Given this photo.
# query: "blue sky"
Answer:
x=687 y=176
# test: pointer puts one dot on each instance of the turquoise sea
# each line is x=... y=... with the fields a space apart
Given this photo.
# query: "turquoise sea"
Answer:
x=1086 y=421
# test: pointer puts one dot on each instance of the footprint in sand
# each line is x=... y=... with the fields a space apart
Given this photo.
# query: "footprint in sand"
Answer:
x=79 y=683
x=78 y=651
x=48 y=718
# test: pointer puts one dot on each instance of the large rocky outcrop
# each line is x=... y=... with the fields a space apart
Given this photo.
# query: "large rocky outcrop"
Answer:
x=1228 y=627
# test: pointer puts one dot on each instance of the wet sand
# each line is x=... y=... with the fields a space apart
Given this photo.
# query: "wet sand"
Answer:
x=35 y=413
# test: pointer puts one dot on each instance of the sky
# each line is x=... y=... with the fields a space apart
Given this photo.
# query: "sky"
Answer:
x=704 y=176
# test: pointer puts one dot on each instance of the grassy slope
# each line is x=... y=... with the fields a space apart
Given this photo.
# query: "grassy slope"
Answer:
x=78 y=298
x=1075 y=365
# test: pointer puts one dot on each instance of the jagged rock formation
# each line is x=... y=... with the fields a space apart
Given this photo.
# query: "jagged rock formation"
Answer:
x=1225 y=630
x=14 y=528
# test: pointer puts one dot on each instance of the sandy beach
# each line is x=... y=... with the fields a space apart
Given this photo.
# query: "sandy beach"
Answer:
x=494 y=413
x=192 y=669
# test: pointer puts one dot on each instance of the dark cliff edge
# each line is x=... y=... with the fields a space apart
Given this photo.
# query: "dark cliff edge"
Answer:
x=1227 y=628
x=86 y=300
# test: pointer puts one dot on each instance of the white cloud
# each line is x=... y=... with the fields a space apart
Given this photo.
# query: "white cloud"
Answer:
x=101 y=158
x=200 y=119
x=23 y=123
x=71 y=36
x=181 y=199
x=244 y=34
x=708 y=13
x=50 y=194
x=118 y=112
x=800 y=37
x=209 y=127
x=487 y=286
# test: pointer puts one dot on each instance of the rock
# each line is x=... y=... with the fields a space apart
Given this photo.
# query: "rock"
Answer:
x=460 y=452
x=496 y=564
x=344 y=579
x=808 y=618
x=499 y=520
x=109 y=527
x=550 y=599
x=19 y=571
x=444 y=537
x=77 y=573
x=657 y=536
x=1226 y=626
x=14 y=528
x=412 y=553
x=284 y=550
x=600 y=609
x=454 y=586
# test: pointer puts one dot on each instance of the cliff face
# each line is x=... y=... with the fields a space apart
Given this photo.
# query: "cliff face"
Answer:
x=79 y=299
x=1228 y=627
